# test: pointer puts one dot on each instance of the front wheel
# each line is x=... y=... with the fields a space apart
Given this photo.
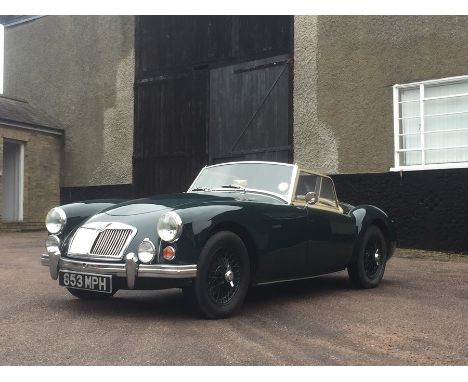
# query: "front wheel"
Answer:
x=369 y=266
x=90 y=295
x=223 y=276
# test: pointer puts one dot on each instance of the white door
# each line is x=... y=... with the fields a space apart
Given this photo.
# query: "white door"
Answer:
x=13 y=153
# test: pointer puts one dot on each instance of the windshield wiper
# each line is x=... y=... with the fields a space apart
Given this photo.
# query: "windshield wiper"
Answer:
x=198 y=188
x=235 y=186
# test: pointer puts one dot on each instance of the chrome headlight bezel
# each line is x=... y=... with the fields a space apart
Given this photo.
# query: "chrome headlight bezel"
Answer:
x=56 y=220
x=146 y=255
x=169 y=227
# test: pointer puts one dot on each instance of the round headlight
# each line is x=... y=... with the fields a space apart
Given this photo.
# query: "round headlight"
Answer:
x=146 y=251
x=55 y=220
x=52 y=244
x=170 y=227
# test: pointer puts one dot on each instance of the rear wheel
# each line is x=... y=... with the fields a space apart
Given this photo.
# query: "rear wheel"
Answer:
x=369 y=266
x=90 y=295
x=223 y=277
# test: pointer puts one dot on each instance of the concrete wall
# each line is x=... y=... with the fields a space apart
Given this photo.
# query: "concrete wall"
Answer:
x=315 y=143
x=41 y=188
x=80 y=70
x=344 y=70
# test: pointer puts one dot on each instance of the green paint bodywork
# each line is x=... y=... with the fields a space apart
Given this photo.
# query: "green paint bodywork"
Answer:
x=284 y=241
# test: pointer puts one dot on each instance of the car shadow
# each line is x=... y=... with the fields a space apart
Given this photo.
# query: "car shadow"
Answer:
x=168 y=304
x=292 y=290
x=163 y=304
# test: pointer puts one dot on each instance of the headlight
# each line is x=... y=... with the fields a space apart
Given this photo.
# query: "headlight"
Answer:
x=146 y=251
x=170 y=227
x=52 y=244
x=55 y=220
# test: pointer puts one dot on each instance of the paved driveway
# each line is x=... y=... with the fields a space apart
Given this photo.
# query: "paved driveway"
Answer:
x=418 y=315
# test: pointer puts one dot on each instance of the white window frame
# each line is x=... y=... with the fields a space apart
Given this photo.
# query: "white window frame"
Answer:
x=396 y=125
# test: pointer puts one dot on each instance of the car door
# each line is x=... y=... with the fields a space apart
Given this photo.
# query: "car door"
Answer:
x=330 y=232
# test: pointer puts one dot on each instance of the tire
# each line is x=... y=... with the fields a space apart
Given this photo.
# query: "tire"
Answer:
x=213 y=293
x=368 y=268
x=90 y=295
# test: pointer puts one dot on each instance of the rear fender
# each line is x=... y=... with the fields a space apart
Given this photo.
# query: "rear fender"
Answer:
x=367 y=215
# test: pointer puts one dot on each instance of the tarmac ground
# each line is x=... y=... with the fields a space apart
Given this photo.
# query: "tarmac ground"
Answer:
x=417 y=316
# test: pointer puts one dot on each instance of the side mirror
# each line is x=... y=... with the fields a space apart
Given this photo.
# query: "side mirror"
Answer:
x=311 y=198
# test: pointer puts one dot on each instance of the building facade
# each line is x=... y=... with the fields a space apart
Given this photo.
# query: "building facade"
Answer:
x=381 y=103
x=30 y=151
x=80 y=69
x=378 y=102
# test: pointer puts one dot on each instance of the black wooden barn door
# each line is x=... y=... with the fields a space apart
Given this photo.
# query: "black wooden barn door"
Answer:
x=249 y=111
x=170 y=138
x=208 y=89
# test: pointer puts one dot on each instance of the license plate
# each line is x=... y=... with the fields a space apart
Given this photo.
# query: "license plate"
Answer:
x=87 y=281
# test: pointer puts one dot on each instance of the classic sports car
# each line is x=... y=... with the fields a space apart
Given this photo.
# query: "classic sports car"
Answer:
x=239 y=224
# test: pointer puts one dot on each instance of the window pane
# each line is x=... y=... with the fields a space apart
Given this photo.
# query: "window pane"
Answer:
x=446 y=89
x=446 y=156
x=445 y=139
x=306 y=183
x=410 y=141
x=261 y=176
x=326 y=192
x=446 y=122
x=410 y=158
x=409 y=94
x=409 y=109
x=446 y=105
x=410 y=125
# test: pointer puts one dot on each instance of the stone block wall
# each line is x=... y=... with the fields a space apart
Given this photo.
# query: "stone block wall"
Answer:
x=42 y=156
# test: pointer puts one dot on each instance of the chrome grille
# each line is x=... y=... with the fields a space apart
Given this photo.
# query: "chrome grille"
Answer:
x=99 y=240
x=110 y=242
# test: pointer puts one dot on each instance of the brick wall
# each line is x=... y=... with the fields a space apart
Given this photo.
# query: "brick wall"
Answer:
x=42 y=154
x=431 y=207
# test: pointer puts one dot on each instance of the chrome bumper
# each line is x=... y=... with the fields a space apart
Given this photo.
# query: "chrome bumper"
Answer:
x=131 y=270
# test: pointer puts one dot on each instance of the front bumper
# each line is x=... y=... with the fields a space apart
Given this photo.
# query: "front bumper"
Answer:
x=131 y=270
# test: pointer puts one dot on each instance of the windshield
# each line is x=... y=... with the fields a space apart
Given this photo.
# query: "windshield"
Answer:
x=270 y=177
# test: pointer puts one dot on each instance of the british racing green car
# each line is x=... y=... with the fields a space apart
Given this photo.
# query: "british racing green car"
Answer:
x=240 y=224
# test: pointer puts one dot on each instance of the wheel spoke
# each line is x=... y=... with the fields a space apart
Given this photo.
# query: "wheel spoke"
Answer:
x=372 y=257
x=224 y=276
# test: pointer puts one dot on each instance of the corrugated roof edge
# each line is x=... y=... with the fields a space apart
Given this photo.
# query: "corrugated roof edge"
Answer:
x=18 y=20
x=29 y=126
x=40 y=120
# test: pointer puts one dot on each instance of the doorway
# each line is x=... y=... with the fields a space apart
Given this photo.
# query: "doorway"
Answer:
x=12 y=179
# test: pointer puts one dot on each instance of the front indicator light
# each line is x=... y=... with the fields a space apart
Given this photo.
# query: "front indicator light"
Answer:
x=169 y=253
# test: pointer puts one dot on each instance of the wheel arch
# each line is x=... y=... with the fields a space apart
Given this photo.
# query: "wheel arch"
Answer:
x=380 y=224
x=245 y=236
x=368 y=216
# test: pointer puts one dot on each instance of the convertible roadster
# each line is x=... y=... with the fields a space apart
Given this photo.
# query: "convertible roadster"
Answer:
x=240 y=224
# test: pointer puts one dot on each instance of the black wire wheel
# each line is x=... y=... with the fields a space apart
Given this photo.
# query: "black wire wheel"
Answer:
x=367 y=269
x=223 y=276
x=373 y=257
